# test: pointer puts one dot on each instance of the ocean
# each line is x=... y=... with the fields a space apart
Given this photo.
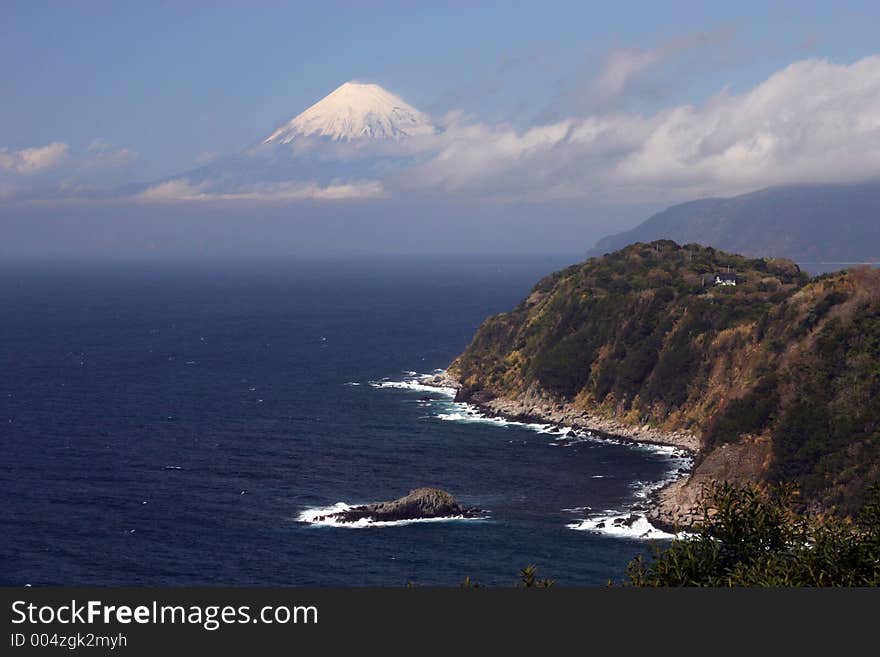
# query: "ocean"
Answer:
x=173 y=423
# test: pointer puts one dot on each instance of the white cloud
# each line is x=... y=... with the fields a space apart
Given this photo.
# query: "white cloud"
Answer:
x=620 y=68
x=101 y=153
x=183 y=190
x=624 y=72
x=33 y=160
x=57 y=171
x=99 y=145
x=813 y=121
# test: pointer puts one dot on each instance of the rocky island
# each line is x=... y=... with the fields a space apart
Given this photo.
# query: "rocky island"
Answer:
x=765 y=374
x=418 y=504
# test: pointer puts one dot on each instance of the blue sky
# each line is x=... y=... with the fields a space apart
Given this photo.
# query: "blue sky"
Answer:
x=688 y=99
x=172 y=80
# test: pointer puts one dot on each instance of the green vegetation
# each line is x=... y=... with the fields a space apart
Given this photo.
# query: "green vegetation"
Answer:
x=827 y=439
x=644 y=305
x=527 y=578
x=643 y=336
x=749 y=414
x=753 y=538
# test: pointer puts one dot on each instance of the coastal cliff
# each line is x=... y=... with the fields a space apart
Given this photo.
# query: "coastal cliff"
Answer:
x=771 y=377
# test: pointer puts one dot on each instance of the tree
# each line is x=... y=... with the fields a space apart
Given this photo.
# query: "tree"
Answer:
x=751 y=537
x=528 y=578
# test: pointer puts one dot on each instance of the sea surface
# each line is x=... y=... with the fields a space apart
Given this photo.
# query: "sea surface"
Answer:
x=171 y=423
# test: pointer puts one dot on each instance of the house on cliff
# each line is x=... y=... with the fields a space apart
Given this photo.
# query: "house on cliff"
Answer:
x=720 y=279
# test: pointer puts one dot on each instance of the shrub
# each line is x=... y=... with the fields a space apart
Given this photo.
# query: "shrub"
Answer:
x=750 y=537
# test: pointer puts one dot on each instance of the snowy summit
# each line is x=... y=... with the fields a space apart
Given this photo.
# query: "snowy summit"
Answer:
x=356 y=111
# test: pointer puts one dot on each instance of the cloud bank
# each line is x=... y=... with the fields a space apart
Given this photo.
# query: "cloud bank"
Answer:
x=57 y=171
x=32 y=160
x=813 y=121
x=183 y=190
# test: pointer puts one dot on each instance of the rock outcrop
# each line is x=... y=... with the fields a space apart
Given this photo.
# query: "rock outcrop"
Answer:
x=418 y=504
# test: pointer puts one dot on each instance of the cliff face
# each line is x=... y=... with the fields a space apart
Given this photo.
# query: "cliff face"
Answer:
x=775 y=378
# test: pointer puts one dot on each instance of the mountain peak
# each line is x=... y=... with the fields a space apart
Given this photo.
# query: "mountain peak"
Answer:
x=355 y=111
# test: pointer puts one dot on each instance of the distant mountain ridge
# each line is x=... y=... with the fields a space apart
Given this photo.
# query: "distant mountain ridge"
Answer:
x=806 y=223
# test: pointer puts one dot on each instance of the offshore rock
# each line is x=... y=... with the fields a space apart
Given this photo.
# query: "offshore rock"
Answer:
x=418 y=504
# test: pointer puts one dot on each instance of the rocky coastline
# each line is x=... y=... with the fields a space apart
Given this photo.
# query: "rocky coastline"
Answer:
x=535 y=407
x=669 y=508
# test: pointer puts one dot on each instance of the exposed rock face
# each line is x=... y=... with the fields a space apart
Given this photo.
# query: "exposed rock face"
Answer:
x=419 y=503
x=677 y=505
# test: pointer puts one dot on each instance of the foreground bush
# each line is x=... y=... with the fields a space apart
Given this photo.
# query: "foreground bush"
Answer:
x=748 y=537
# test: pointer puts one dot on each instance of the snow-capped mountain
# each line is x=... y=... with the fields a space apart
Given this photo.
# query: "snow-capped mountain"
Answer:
x=355 y=111
x=343 y=146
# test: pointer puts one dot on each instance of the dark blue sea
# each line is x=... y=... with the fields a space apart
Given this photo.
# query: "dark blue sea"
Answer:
x=168 y=423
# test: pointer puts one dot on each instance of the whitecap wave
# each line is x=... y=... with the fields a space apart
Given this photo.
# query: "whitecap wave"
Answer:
x=625 y=525
x=312 y=514
x=415 y=385
x=462 y=412
x=465 y=415
x=317 y=516
x=450 y=411
x=629 y=523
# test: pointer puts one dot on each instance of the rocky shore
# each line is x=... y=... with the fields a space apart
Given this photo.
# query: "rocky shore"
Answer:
x=535 y=407
x=677 y=505
x=671 y=507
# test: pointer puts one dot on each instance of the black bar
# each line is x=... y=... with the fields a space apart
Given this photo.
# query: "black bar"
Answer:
x=631 y=620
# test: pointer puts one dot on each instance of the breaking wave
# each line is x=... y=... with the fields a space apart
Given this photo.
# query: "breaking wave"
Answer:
x=627 y=523
x=315 y=516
